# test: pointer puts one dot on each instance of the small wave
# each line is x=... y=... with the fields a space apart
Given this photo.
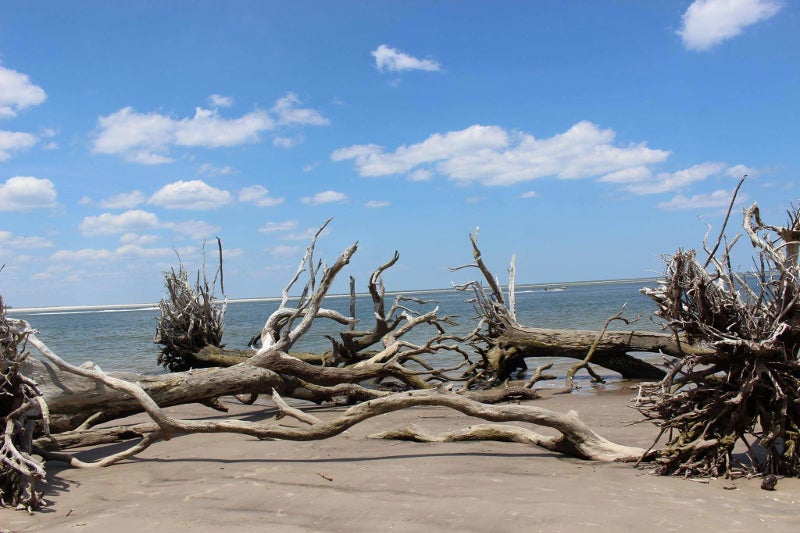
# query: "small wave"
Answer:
x=90 y=311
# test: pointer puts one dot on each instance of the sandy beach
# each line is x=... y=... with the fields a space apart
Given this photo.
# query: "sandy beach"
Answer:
x=352 y=483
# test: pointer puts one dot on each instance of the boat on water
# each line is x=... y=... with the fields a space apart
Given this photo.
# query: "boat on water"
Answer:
x=555 y=288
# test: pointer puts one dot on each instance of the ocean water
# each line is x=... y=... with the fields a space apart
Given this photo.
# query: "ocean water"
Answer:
x=121 y=338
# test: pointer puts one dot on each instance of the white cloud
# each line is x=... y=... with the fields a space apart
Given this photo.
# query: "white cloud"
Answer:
x=420 y=175
x=127 y=222
x=136 y=251
x=8 y=240
x=195 y=194
x=393 y=60
x=23 y=193
x=529 y=194
x=671 y=181
x=258 y=195
x=371 y=160
x=278 y=227
x=93 y=255
x=208 y=130
x=148 y=138
x=287 y=142
x=290 y=115
x=493 y=156
x=284 y=251
x=716 y=199
x=217 y=100
x=17 y=93
x=135 y=238
x=706 y=23
x=325 y=197
x=210 y=170
x=138 y=137
x=739 y=171
x=628 y=175
x=194 y=229
x=126 y=200
x=14 y=141
x=83 y=255
x=377 y=203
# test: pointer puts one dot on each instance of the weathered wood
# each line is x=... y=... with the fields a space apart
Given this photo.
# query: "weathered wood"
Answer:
x=504 y=343
x=612 y=352
x=72 y=399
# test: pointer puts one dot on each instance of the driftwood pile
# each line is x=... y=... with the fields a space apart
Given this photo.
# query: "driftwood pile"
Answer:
x=21 y=407
x=747 y=391
x=80 y=397
x=191 y=319
x=734 y=375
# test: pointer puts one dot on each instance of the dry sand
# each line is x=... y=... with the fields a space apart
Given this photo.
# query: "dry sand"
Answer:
x=351 y=483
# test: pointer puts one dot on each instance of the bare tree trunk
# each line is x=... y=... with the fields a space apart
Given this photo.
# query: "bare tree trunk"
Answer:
x=504 y=343
x=612 y=352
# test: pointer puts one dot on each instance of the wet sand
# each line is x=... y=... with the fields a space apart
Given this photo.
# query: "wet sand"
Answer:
x=352 y=483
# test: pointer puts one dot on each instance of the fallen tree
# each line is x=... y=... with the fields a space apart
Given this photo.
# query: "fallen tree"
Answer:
x=21 y=407
x=747 y=390
x=503 y=343
x=270 y=369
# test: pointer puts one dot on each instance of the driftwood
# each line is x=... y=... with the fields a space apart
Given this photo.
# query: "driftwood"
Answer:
x=190 y=317
x=21 y=408
x=77 y=401
x=577 y=439
x=271 y=370
x=504 y=343
x=748 y=389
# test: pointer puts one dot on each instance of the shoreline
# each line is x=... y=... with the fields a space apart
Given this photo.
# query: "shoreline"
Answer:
x=150 y=306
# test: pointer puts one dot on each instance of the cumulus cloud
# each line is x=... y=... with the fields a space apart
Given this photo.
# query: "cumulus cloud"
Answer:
x=127 y=222
x=194 y=229
x=148 y=138
x=126 y=200
x=420 y=175
x=717 y=199
x=289 y=114
x=135 y=238
x=208 y=130
x=529 y=194
x=259 y=196
x=493 y=156
x=738 y=171
x=23 y=193
x=210 y=170
x=287 y=142
x=17 y=93
x=93 y=255
x=393 y=60
x=671 y=181
x=217 y=100
x=138 y=137
x=83 y=255
x=9 y=240
x=278 y=227
x=284 y=251
x=12 y=142
x=194 y=194
x=324 y=197
x=706 y=23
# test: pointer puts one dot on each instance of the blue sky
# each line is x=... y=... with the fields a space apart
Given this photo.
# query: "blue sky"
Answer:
x=587 y=138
